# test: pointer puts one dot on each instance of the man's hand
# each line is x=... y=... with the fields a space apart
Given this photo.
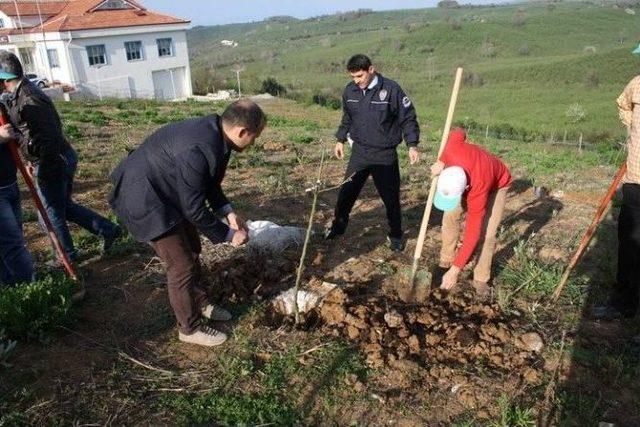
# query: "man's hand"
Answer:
x=450 y=279
x=236 y=222
x=414 y=155
x=339 y=150
x=7 y=133
x=437 y=168
x=240 y=237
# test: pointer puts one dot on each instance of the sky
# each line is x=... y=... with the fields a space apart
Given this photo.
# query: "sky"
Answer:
x=214 y=12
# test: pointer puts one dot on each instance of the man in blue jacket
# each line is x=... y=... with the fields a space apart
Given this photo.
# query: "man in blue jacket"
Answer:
x=169 y=189
x=377 y=116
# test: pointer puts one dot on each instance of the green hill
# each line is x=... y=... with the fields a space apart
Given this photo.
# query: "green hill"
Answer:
x=525 y=64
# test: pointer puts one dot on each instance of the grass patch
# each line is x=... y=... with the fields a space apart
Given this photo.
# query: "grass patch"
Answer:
x=33 y=310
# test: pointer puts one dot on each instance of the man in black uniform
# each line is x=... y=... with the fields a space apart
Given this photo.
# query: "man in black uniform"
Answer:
x=377 y=115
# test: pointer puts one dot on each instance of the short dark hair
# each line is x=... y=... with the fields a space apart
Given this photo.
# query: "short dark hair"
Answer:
x=10 y=63
x=245 y=113
x=359 y=62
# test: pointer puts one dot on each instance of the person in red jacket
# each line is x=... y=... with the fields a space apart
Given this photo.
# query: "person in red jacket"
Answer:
x=471 y=178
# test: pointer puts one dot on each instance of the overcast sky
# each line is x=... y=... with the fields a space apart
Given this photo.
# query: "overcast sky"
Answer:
x=211 y=12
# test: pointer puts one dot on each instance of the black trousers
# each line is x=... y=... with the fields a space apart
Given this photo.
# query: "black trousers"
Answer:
x=386 y=178
x=627 y=286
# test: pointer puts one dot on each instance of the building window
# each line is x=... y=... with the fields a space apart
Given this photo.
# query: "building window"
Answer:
x=114 y=4
x=1 y=23
x=54 y=61
x=134 y=50
x=26 y=57
x=165 y=47
x=97 y=55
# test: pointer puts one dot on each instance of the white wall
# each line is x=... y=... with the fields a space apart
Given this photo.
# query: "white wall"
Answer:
x=122 y=78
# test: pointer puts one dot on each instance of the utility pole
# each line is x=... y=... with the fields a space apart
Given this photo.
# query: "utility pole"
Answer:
x=238 y=70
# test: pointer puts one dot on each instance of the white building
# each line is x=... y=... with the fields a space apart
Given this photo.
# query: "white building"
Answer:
x=102 y=48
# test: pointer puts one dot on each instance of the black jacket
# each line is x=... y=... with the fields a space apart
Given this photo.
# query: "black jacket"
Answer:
x=35 y=116
x=171 y=177
x=378 y=118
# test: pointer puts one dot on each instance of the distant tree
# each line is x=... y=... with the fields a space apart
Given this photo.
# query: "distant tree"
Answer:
x=519 y=19
x=271 y=86
x=448 y=4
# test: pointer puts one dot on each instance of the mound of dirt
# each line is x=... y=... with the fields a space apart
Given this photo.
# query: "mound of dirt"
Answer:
x=241 y=275
x=446 y=333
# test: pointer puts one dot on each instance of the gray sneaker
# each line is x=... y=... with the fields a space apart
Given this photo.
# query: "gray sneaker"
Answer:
x=216 y=313
x=205 y=336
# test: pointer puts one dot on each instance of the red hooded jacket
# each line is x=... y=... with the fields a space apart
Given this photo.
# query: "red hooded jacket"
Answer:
x=485 y=174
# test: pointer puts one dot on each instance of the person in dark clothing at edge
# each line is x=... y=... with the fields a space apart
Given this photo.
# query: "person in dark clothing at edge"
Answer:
x=16 y=264
x=170 y=188
x=377 y=115
x=41 y=139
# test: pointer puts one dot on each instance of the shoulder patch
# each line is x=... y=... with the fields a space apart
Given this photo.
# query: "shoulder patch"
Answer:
x=406 y=102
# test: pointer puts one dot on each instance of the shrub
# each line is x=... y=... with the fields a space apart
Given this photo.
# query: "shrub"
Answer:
x=326 y=100
x=455 y=25
x=519 y=19
x=576 y=113
x=488 y=49
x=592 y=79
x=72 y=132
x=271 y=86
x=33 y=310
x=524 y=50
x=473 y=79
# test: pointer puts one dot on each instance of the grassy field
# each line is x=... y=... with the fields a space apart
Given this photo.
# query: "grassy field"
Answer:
x=527 y=64
x=115 y=358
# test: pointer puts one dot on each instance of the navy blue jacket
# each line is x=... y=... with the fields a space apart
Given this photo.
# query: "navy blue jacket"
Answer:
x=171 y=177
x=377 y=119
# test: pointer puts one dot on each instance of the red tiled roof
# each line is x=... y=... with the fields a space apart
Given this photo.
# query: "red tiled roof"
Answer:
x=30 y=8
x=78 y=15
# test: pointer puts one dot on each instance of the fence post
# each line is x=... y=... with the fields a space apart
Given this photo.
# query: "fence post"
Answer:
x=580 y=143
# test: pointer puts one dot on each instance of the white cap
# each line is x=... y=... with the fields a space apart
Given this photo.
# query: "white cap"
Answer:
x=451 y=186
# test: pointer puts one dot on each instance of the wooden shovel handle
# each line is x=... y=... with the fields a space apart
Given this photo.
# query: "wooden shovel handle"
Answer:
x=434 y=181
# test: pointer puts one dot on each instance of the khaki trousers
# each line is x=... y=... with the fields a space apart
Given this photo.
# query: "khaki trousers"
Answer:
x=487 y=243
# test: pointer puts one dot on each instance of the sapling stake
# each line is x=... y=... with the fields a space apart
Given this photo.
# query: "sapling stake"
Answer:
x=316 y=191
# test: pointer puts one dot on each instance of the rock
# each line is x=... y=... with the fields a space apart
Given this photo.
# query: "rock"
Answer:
x=394 y=319
x=414 y=344
x=531 y=376
x=531 y=341
x=353 y=332
x=319 y=258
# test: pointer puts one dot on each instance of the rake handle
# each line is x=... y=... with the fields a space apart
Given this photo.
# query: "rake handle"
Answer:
x=586 y=239
x=434 y=181
x=28 y=179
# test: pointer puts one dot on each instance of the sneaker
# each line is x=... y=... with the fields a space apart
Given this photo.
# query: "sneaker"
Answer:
x=396 y=244
x=205 y=336
x=216 y=313
x=336 y=229
x=107 y=242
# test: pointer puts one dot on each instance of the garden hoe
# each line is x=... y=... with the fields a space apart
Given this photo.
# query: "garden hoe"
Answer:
x=28 y=179
x=420 y=281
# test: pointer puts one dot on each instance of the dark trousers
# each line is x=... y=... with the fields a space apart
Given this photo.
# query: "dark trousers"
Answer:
x=627 y=286
x=16 y=264
x=180 y=250
x=386 y=178
x=56 y=197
